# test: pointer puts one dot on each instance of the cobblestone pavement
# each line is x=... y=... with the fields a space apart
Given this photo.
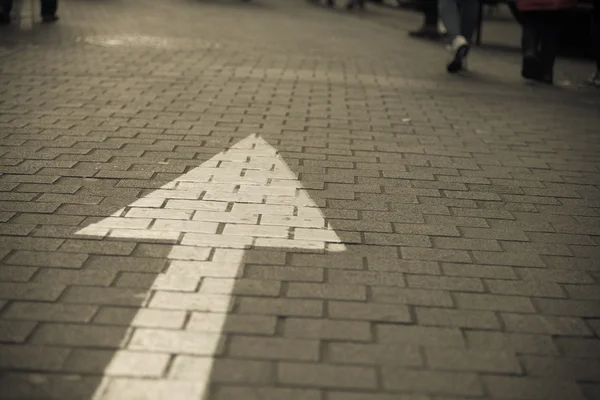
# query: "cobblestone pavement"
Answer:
x=441 y=241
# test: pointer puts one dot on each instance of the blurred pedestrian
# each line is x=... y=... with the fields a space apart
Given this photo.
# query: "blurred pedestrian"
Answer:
x=352 y=3
x=460 y=17
x=595 y=79
x=48 y=8
x=429 y=29
x=6 y=9
x=540 y=38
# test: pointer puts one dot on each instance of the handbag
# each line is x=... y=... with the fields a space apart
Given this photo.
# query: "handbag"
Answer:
x=541 y=5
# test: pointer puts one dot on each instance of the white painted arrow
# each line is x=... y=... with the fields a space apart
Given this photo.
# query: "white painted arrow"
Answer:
x=244 y=197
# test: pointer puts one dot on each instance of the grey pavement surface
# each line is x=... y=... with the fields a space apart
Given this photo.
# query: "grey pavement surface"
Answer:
x=468 y=210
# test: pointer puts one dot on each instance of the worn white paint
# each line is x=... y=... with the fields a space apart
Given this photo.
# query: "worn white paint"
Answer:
x=244 y=197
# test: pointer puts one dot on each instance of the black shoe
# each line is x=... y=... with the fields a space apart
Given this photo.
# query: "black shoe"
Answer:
x=350 y=5
x=330 y=3
x=49 y=18
x=4 y=19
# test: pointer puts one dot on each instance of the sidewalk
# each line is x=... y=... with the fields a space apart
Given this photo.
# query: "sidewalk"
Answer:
x=273 y=200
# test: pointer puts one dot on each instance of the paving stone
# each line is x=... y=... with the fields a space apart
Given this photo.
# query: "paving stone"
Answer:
x=460 y=383
x=416 y=253
x=354 y=395
x=37 y=358
x=30 y=243
x=537 y=248
x=98 y=247
x=525 y=288
x=326 y=291
x=454 y=221
x=445 y=283
x=327 y=329
x=14 y=229
x=52 y=312
x=176 y=342
x=136 y=364
x=370 y=278
x=12 y=331
x=59 y=276
x=34 y=385
x=47 y=259
x=546 y=325
x=558 y=276
x=331 y=376
x=478 y=271
x=285 y=273
x=274 y=348
x=135 y=280
x=152 y=389
x=572 y=308
x=104 y=296
x=509 y=387
x=232 y=323
x=281 y=307
x=476 y=301
x=515 y=342
x=372 y=354
x=473 y=360
x=422 y=297
x=457 y=318
x=579 y=347
x=419 y=335
x=30 y=291
x=508 y=259
x=368 y=311
x=10 y=273
x=73 y=335
x=583 y=292
x=183 y=301
x=265 y=393
x=129 y=264
x=562 y=368
x=243 y=287
x=238 y=371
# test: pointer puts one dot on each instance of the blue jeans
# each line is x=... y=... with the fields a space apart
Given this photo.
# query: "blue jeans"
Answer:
x=460 y=17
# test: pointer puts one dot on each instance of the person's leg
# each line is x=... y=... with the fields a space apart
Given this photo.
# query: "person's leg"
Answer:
x=431 y=13
x=48 y=8
x=549 y=37
x=530 y=45
x=6 y=10
x=430 y=23
x=469 y=18
x=596 y=36
x=451 y=17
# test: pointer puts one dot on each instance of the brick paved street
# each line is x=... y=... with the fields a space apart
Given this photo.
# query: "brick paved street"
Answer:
x=272 y=200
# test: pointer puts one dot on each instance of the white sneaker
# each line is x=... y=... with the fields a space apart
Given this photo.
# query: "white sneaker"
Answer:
x=442 y=27
x=460 y=48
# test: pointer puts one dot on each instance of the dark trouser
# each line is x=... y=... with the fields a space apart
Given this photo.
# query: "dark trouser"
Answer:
x=430 y=11
x=541 y=31
x=6 y=6
x=48 y=6
x=596 y=32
